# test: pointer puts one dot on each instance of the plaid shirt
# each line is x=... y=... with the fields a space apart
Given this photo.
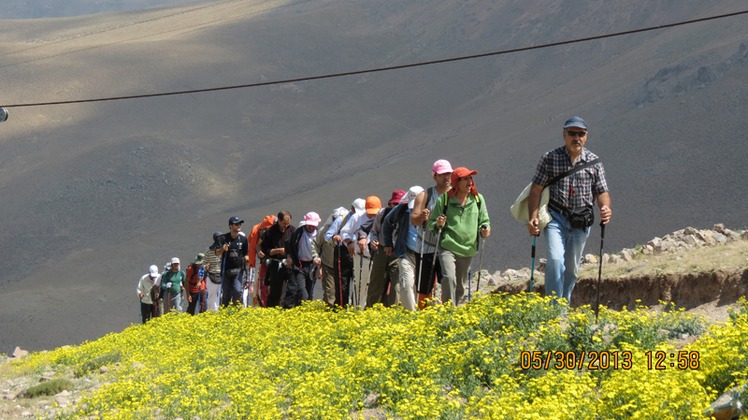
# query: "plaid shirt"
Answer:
x=576 y=190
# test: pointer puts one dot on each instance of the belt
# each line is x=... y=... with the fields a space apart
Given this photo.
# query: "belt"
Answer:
x=558 y=209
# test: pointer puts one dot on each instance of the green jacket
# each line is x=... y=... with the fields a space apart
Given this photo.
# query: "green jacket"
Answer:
x=460 y=234
x=176 y=280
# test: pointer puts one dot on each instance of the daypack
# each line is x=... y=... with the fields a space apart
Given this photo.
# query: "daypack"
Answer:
x=233 y=259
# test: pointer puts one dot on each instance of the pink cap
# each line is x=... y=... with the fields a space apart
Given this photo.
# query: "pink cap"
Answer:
x=441 y=166
x=311 y=219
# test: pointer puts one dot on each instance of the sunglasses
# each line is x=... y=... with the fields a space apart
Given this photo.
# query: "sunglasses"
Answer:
x=572 y=133
x=236 y=224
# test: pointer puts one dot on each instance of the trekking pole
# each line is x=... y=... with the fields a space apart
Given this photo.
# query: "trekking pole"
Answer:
x=532 y=265
x=436 y=251
x=599 y=270
x=360 y=277
x=470 y=284
x=480 y=259
x=422 y=232
x=340 y=276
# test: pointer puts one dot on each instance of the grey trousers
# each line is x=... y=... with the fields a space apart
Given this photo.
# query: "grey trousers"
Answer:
x=454 y=277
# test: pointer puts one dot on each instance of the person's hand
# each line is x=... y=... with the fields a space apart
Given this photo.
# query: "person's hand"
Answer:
x=441 y=221
x=261 y=254
x=605 y=214
x=225 y=247
x=533 y=227
x=485 y=231
x=351 y=249
x=337 y=239
x=140 y=294
x=189 y=298
x=361 y=245
x=388 y=251
x=375 y=244
x=317 y=262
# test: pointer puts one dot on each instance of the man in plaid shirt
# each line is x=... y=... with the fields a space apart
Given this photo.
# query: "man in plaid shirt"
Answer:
x=569 y=197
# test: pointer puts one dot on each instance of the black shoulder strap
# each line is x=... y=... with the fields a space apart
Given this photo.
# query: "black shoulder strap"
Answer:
x=571 y=171
x=446 y=202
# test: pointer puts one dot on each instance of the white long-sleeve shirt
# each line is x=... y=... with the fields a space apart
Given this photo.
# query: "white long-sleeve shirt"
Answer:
x=145 y=284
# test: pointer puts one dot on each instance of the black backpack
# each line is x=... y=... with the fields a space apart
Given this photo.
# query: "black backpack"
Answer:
x=233 y=255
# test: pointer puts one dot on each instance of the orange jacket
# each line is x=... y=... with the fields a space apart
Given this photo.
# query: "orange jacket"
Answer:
x=254 y=237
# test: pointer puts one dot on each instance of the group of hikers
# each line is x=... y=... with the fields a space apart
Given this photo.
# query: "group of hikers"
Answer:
x=419 y=238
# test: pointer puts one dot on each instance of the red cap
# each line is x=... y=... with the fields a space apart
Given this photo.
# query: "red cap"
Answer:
x=396 y=196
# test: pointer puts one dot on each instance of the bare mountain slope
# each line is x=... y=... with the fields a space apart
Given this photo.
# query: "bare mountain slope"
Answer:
x=94 y=193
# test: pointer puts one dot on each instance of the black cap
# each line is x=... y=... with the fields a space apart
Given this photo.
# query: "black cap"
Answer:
x=234 y=220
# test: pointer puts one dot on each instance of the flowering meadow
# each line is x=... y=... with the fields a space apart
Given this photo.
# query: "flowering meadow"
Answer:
x=500 y=356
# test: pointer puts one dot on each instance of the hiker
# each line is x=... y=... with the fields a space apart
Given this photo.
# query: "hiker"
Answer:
x=327 y=255
x=384 y=269
x=429 y=268
x=274 y=248
x=172 y=286
x=343 y=255
x=302 y=257
x=213 y=267
x=197 y=277
x=355 y=236
x=256 y=235
x=570 y=206
x=234 y=257
x=461 y=216
x=148 y=287
x=354 y=233
x=404 y=246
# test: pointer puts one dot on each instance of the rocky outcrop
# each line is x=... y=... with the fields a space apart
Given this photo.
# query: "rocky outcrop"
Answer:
x=687 y=290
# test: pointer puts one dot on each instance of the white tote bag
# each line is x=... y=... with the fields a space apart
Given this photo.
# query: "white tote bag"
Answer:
x=522 y=215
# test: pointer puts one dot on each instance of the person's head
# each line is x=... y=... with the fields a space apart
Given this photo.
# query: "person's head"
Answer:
x=397 y=195
x=373 y=205
x=175 y=264
x=358 y=206
x=462 y=180
x=410 y=197
x=575 y=135
x=441 y=171
x=235 y=224
x=284 y=220
x=311 y=221
x=153 y=271
x=199 y=259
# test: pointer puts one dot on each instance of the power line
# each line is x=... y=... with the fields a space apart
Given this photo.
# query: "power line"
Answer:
x=382 y=69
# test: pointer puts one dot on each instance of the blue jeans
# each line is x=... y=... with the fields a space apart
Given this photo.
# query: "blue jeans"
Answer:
x=565 y=246
x=172 y=300
x=232 y=287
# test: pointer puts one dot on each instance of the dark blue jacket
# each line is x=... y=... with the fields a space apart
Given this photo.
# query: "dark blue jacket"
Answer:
x=397 y=220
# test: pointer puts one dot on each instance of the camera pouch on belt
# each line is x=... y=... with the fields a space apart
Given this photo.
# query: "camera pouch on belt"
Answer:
x=581 y=219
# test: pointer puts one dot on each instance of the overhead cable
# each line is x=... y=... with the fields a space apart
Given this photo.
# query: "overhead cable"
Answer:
x=382 y=69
